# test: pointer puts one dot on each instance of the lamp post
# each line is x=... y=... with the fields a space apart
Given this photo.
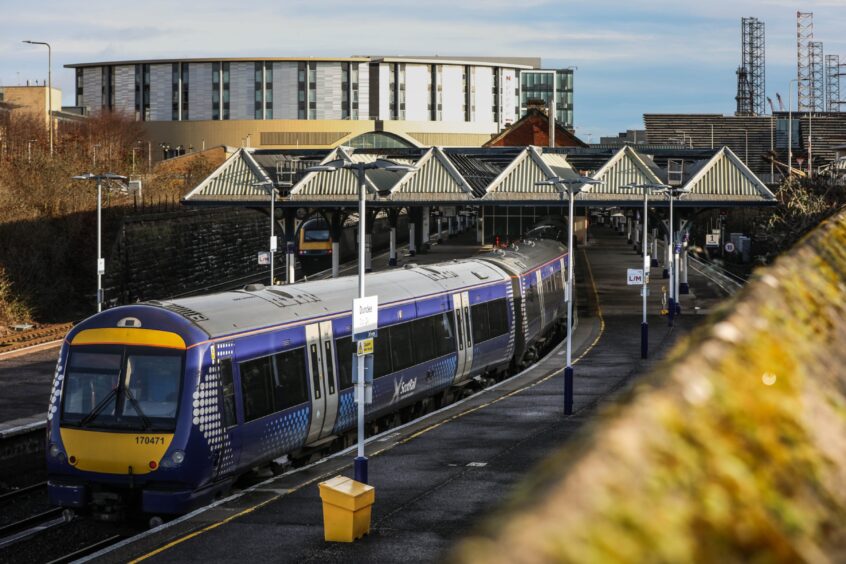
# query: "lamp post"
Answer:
x=271 y=188
x=570 y=186
x=101 y=262
x=790 y=126
x=671 y=254
x=644 y=326
x=49 y=87
x=361 y=169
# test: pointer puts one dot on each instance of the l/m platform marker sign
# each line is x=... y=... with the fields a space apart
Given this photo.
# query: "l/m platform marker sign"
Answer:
x=634 y=277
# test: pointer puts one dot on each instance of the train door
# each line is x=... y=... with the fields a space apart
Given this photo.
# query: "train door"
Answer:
x=320 y=354
x=541 y=296
x=461 y=307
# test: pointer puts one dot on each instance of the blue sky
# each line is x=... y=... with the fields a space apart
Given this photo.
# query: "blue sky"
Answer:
x=633 y=57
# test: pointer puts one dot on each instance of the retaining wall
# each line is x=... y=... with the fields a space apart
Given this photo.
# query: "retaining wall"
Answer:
x=735 y=450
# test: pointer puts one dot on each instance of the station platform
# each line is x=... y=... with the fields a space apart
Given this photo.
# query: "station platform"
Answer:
x=438 y=477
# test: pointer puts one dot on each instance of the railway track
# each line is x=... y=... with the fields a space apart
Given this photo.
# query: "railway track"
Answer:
x=37 y=336
x=24 y=528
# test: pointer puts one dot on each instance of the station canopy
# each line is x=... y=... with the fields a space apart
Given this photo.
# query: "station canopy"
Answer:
x=482 y=176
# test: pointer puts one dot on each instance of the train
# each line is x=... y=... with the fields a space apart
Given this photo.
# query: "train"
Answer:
x=314 y=239
x=159 y=407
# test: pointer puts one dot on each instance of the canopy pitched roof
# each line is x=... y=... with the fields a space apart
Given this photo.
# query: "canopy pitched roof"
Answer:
x=726 y=178
x=436 y=178
x=519 y=180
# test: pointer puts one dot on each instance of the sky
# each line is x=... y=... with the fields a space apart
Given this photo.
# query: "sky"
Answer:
x=631 y=57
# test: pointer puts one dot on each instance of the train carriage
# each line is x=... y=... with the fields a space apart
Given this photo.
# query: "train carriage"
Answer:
x=162 y=405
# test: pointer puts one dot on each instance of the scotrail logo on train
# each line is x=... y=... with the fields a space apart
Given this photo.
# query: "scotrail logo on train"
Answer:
x=403 y=389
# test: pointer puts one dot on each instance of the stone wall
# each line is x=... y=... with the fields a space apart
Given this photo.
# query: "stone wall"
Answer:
x=733 y=451
x=161 y=255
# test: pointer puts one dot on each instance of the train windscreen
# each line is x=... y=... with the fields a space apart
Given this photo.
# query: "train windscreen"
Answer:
x=122 y=387
x=315 y=235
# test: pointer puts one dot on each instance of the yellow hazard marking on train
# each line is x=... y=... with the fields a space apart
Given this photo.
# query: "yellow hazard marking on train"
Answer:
x=398 y=443
x=129 y=336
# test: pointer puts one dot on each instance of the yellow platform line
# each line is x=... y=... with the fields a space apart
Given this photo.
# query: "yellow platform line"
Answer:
x=403 y=441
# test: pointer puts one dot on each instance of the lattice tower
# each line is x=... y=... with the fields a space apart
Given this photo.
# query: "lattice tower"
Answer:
x=804 y=37
x=817 y=76
x=744 y=93
x=753 y=61
x=833 y=72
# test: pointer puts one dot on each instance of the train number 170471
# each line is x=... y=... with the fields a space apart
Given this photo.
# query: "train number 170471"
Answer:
x=142 y=440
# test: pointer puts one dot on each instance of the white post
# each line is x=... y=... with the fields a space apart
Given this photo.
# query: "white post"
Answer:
x=568 y=370
x=100 y=261
x=359 y=386
x=272 y=229
x=655 y=247
x=368 y=257
x=412 y=239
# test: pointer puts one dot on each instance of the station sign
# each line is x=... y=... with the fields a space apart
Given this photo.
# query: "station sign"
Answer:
x=365 y=317
x=712 y=240
x=634 y=277
x=729 y=247
x=263 y=258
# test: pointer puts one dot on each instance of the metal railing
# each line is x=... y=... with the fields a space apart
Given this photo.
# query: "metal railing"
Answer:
x=728 y=281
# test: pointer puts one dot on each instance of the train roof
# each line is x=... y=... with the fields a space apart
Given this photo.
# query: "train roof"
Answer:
x=265 y=306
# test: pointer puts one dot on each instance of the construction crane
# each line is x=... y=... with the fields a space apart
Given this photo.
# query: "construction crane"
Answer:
x=772 y=108
x=780 y=102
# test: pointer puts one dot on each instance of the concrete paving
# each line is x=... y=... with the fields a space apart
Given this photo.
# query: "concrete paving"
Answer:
x=437 y=478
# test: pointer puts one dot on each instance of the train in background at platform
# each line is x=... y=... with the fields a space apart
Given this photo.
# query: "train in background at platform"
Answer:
x=314 y=240
x=161 y=406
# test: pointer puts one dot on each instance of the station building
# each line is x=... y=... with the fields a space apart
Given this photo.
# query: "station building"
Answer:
x=289 y=103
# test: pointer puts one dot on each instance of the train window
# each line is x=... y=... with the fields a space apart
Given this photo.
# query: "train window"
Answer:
x=481 y=328
x=315 y=371
x=152 y=384
x=227 y=387
x=467 y=334
x=532 y=304
x=382 y=354
x=345 y=351
x=291 y=379
x=444 y=334
x=330 y=366
x=497 y=318
x=90 y=380
x=402 y=347
x=315 y=235
x=459 y=319
x=422 y=331
x=257 y=387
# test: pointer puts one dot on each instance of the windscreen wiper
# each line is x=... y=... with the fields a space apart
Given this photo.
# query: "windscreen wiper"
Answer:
x=98 y=408
x=144 y=419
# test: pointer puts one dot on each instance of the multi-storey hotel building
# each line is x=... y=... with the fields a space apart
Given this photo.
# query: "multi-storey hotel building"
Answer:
x=311 y=102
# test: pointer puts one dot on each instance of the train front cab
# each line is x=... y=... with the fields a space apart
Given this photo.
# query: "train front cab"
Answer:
x=115 y=440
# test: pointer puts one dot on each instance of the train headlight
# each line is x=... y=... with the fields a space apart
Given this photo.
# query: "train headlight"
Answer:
x=178 y=457
x=56 y=452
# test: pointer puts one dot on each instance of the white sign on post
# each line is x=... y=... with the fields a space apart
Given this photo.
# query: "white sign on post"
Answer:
x=263 y=258
x=101 y=266
x=274 y=243
x=634 y=276
x=365 y=317
x=712 y=240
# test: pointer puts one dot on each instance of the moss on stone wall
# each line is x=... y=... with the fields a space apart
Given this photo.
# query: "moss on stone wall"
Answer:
x=735 y=450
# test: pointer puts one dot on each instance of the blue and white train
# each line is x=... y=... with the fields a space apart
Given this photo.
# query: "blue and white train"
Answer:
x=160 y=406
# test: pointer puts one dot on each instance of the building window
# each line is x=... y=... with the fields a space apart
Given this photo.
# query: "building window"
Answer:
x=142 y=92
x=225 y=87
x=215 y=90
x=107 y=92
x=312 y=90
x=79 y=89
x=174 y=92
x=185 y=86
x=497 y=111
x=264 y=90
x=302 y=70
x=346 y=95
